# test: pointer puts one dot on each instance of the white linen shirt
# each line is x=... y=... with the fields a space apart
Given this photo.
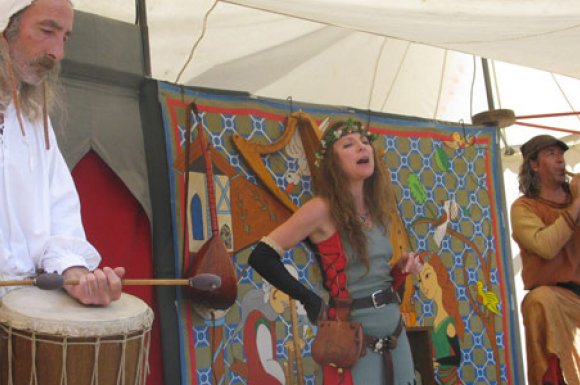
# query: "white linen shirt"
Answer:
x=40 y=220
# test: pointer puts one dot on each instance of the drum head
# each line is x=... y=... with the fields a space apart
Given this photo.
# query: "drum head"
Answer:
x=55 y=312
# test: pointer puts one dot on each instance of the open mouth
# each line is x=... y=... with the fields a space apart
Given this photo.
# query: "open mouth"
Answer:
x=363 y=161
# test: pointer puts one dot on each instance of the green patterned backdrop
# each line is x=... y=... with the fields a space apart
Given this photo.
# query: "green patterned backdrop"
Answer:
x=447 y=182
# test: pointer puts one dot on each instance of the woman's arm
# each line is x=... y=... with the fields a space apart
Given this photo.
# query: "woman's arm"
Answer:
x=312 y=220
x=266 y=256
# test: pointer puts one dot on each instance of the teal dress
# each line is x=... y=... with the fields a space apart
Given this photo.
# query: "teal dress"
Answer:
x=381 y=322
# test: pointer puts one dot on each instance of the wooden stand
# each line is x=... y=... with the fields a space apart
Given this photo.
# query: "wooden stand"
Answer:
x=422 y=351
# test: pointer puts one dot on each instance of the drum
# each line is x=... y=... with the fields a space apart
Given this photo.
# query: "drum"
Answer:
x=48 y=338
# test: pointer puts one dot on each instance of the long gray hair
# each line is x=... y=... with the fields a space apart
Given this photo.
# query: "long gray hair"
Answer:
x=30 y=97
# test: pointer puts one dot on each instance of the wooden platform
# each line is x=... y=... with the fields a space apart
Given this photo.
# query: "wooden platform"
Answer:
x=422 y=351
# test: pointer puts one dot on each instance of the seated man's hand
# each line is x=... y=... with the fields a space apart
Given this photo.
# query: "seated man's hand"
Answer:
x=575 y=186
x=98 y=287
x=574 y=209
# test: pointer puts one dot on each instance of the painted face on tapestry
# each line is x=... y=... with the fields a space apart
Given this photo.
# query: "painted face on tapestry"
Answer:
x=38 y=45
x=355 y=155
x=428 y=283
x=550 y=165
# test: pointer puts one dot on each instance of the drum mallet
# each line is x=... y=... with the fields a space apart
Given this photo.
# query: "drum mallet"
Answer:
x=51 y=281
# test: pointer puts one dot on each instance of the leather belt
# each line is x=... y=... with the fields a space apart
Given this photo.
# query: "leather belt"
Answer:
x=384 y=346
x=378 y=299
x=570 y=286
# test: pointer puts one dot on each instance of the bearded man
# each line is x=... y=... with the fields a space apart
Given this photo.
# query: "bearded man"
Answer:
x=40 y=221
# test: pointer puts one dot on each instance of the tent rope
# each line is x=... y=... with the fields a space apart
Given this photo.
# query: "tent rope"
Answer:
x=375 y=72
x=563 y=93
x=552 y=115
x=396 y=76
x=547 y=127
x=443 y=67
x=472 y=88
x=196 y=44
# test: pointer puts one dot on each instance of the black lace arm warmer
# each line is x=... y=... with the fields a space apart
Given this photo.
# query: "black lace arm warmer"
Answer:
x=266 y=261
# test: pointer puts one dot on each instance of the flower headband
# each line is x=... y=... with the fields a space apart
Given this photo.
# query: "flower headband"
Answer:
x=337 y=131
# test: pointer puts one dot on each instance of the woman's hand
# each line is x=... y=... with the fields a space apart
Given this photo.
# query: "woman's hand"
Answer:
x=410 y=262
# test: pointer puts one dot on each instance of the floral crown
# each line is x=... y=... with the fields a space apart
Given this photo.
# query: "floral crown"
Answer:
x=337 y=131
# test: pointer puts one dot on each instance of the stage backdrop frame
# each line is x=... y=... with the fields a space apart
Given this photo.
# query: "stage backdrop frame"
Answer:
x=440 y=170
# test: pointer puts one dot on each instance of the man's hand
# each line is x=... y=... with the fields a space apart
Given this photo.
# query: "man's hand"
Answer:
x=575 y=186
x=99 y=287
x=574 y=209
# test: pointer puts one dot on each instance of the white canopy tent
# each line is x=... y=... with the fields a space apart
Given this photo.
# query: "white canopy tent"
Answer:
x=412 y=58
x=415 y=57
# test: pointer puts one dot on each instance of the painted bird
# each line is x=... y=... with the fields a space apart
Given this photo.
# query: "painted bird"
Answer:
x=450 y=211
x=487 y=298
x=458 y=142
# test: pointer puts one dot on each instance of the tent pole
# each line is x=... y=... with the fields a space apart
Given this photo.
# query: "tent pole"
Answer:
x=487 y=81
x=491 y=106
x=141 y=15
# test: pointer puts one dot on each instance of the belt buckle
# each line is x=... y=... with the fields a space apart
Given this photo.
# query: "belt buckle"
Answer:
x=378 y=346
x=376 y=303
x=382 y=344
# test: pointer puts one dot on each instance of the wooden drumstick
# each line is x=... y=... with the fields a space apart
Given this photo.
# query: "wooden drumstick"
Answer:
x=204 y=281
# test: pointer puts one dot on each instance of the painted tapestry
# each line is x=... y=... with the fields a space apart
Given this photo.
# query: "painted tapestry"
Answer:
x=447 y=182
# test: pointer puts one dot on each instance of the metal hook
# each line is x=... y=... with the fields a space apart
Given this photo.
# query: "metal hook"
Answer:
x=462 y=124
x=290 y=103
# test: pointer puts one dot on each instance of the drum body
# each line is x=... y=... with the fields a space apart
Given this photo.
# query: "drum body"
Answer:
x=48 y=338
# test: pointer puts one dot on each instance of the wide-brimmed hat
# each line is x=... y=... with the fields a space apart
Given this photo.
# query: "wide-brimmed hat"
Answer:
x=532 y=146
x=9 y=8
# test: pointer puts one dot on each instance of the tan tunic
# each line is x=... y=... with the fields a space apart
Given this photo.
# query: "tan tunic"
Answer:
x=549 y=243
x=550 y=250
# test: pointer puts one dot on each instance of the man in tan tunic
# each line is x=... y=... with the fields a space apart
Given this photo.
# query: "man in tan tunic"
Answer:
x=546 y=226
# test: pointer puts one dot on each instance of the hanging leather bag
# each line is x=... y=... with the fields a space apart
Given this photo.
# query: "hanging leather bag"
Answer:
x=339 y=342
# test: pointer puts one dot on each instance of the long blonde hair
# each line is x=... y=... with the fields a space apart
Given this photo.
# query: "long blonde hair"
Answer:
x=378 y=197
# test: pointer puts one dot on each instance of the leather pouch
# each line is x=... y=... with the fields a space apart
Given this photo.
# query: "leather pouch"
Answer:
x=339 y=342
